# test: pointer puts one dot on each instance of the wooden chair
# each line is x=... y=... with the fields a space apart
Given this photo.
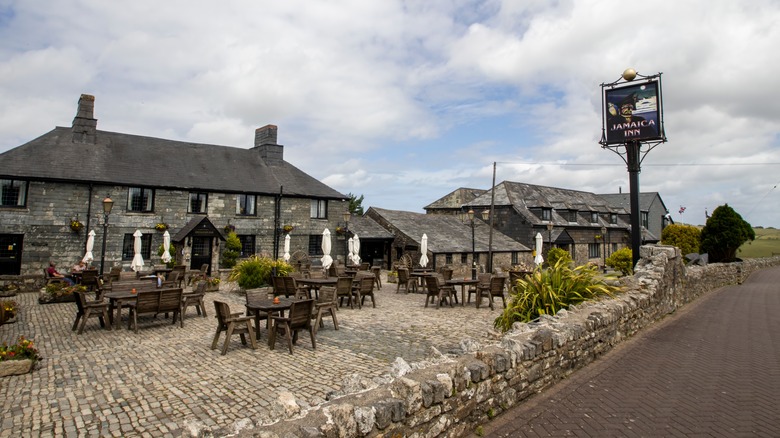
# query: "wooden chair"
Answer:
x=254 y=295
x=182 y=270
x=440 y=291
x=404 y=280
x=89 y=279
x=325 y=305
x=280 y=288
x=155 y=301
x=85 y=309
x=365 y=266
x=446 y=273
x=377 y=271
x=171 y=280
x=232 y=324
x=494 y=288
x=298 y=291
x=299 y=318
x=50 y=280
x=365 y=288
x=344 y=291
x=194 y=298
x=484 y=283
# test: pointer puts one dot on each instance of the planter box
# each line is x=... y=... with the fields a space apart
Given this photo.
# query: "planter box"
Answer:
x=45 y=298
x=212 y=288
x=15 y=367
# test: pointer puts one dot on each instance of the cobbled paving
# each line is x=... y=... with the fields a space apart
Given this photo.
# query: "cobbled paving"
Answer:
x=164 y=379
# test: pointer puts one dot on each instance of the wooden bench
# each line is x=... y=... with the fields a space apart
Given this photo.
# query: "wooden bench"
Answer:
x=156 y=301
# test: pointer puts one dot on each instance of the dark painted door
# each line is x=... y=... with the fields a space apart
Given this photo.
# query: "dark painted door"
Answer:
x=11 y=254
x=201 y=252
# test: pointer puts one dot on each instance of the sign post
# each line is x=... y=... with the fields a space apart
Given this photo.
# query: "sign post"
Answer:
x=632 y=125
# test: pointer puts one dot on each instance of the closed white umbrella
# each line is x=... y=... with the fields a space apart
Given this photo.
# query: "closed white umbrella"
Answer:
x=424 y=251
x=350 y=248
x=138 y=260
x=90 y=244
x=327 y=260
x=356 y=249
x=538 y=259
x=286 y=255
x=166 y=255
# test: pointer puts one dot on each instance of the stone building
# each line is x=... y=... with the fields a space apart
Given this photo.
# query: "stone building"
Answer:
x=196 y=191
x=653 y=214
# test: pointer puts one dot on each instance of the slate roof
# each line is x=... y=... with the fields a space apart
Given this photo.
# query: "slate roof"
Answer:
x=623 y=200
x=446 y=233
x=456 y=198
x=133 y=160
x=367 y=228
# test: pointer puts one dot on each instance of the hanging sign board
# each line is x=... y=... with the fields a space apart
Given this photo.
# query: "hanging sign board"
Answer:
x=633 y=113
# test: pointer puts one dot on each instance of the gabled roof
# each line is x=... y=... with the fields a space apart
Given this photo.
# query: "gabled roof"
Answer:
x=367 y=228
x=133 y=160
x=455 y=199
x=200 y=223
x=446 y=233
x=623 y=200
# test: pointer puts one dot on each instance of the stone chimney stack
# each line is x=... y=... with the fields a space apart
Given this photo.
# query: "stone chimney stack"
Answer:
x=265 y=143
x=85 y=123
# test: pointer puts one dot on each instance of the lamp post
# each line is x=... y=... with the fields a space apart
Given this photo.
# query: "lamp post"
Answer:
x=108 y=204
x=473 y=224
x=549 y=233
x=346 y=216
x=604 y=244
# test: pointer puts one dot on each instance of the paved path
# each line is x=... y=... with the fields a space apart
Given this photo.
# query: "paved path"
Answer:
x=711 y=370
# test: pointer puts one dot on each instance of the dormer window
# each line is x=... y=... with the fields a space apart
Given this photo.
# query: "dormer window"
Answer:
x=547 y=214
x=594 y=217
x=572 y=215
x=613 y=218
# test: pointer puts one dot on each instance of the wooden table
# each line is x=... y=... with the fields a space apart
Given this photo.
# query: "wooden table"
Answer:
x=463 y=283
x=421 y=276
x=117 y=299
x=315 y=284
x=268 y=306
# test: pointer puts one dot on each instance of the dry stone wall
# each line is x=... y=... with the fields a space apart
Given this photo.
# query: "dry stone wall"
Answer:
x=452 y=396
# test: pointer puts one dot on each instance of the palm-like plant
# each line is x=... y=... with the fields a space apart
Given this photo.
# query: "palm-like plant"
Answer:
x=547 y=291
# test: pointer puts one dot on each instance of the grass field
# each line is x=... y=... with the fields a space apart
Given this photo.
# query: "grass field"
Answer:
x=767 y=244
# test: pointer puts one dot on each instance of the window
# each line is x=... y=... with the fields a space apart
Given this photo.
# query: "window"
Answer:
x=515 y=258
x=546 y=214
x=247 y=245
x=594 y=251
x=128 y=249
x=13 y=193
x=613 y=218
x=140 y=200
x=245 y=205
x=198 y=203
x=643 y=217
x=572 y=215
x=464 y=258
x=614 y=247
x=315 y=245
x=448 y=258
x=594 y=217
x=319 y=209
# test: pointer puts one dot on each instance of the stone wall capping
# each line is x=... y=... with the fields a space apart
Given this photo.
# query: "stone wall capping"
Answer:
x=450 y=396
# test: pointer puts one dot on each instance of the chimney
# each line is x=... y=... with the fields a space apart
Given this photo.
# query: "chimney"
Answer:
x=85 y=124
x=265 y=143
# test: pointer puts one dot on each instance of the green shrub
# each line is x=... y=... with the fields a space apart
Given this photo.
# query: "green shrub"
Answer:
x=622 y=260
x=257 y=271
x=685 y=237
x=171 y=251
x=724 y=233
x=555 y=254
x=546 y=291
x=232 y=250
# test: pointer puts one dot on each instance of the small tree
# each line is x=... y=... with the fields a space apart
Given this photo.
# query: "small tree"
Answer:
x=355 y=204
x=555 y=254
x=622 y=260
x=685 y=237
x=724 y=233
x=232 y=250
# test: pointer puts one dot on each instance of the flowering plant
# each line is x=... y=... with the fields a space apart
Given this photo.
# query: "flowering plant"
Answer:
x=24 y=349
x=287 y=228
x=341 y=230
x=162 y=226
x=75 y=225
x=55 y=290
x=9 y=305
x=213 y=281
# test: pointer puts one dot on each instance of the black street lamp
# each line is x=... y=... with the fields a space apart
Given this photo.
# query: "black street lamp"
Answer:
x=346 y=216
x=485 y=216
x=604 y=244
x=108 y=204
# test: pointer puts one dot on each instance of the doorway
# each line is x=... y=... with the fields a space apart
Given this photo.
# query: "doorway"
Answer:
x=11 y=254
x=201 y=252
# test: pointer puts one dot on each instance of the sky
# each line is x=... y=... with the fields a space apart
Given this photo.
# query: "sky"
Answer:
x=405 y=101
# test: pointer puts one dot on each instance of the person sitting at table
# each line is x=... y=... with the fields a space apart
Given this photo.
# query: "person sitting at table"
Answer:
x=79 y=267
x=52 y=271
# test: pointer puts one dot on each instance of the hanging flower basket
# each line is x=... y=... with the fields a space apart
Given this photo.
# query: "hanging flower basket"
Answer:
x=76 y=226
x=287 y=229
x=341 y=231
x=229 y=229
x=162 y=226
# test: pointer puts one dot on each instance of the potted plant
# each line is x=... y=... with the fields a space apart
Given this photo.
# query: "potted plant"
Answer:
x=76 y=225
x=18 y=358
x=212 y=284
x=287 y=229
x=161 y=227
x=8 y=309
x=341 y=231
x=59 y=293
